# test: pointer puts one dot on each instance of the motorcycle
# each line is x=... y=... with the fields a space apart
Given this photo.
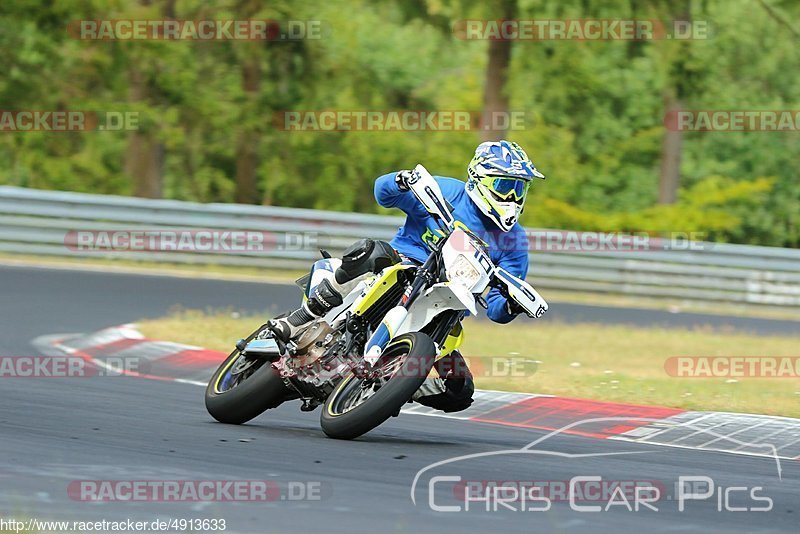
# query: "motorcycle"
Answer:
x=367 y=357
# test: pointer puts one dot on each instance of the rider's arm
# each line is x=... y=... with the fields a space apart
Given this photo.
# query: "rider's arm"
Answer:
x=515 y=261
x=389 y=196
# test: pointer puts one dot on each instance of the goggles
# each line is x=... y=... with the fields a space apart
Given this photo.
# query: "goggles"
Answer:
x=506 y=188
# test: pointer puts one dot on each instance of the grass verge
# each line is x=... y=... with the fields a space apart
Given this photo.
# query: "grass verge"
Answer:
x=610 y=363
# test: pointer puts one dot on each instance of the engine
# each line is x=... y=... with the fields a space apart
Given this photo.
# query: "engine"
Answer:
x=315 y=358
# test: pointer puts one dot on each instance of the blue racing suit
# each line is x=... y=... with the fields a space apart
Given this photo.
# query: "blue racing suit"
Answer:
x=508 y=250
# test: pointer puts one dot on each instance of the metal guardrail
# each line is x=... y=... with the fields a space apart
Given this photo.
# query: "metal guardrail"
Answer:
x=45 y=222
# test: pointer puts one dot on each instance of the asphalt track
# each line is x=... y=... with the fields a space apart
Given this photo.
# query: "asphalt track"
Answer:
x=55 y=431
x=127 y=297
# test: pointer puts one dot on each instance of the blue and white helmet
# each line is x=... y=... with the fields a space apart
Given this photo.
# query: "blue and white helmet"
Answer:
x=499 y=176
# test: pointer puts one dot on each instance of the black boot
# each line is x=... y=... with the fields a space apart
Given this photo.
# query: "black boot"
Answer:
x=453 y=391
x=322 y=300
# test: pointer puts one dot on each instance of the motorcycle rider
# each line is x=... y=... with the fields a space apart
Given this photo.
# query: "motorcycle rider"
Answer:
x=492 y=199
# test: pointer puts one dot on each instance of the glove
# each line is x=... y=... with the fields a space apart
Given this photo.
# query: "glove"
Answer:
x=402 y=180
x=512 y=307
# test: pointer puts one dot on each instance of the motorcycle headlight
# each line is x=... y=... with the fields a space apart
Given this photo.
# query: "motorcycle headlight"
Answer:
x=461 y=271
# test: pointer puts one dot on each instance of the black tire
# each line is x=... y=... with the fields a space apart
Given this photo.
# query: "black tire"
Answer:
x=340 y=423
x=261 y=390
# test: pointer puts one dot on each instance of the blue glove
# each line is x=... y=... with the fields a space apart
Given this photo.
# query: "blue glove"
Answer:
x=402 y=180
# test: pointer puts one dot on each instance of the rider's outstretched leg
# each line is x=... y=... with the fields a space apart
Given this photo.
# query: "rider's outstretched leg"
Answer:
x=323 y=298
x=362 y=257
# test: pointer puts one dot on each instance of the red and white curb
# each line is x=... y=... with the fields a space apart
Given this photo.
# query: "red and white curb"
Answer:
x=124 y=350
x=752 y=435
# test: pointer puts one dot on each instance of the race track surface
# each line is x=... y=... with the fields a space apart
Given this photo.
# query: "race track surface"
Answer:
x=33 y=290
x=59 y=430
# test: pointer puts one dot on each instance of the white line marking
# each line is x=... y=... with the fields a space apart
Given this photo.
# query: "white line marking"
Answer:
x=706 y=444
x=784 y=429
x=696 y=432
x=795 y=442
x=673 y=426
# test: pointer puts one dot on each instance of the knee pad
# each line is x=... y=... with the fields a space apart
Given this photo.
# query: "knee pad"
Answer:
x=365 y=256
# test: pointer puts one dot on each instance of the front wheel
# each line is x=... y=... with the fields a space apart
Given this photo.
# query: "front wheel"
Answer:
x=242 y=388
x=359 y=404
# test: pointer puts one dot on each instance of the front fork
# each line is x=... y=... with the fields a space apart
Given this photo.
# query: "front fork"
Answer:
x=395 y=317
x=449 y=332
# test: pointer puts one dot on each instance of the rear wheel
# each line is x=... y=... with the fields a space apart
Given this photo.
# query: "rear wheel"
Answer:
x=243 y=388
x=359 y=404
